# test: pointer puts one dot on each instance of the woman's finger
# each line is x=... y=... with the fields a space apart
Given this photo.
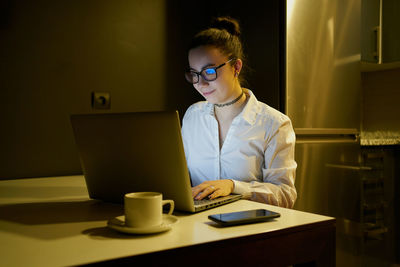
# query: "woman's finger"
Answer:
x=206 y=191
x=215 y=194
x=199 y=188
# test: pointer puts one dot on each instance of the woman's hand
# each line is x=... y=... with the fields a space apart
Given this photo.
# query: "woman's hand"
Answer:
x=213 y=189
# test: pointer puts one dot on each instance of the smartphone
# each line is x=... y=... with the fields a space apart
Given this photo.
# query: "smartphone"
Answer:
x=243 y=217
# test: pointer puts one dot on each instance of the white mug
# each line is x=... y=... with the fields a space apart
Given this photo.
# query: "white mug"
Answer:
x=144 y=209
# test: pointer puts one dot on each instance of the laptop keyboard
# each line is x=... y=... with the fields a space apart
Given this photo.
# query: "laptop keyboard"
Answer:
x=203 y=201
x=207 y=203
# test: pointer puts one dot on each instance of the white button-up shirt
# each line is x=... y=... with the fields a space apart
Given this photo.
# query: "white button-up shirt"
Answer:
x=257 y=154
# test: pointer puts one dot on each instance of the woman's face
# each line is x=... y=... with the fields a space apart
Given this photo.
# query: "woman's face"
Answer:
x=226 y=87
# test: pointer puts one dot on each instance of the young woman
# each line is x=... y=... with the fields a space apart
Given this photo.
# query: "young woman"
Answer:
x=234 y=143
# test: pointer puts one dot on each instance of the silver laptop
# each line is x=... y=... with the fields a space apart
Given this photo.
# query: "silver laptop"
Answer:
x=132 y=152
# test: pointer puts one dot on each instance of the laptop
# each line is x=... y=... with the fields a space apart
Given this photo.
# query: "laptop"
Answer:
x=133 y=152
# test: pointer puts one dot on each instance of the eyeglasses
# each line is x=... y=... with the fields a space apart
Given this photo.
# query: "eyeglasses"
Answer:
x=208 y=74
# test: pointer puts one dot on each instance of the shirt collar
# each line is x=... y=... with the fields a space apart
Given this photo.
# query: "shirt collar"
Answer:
x=251 y=109
x=209 y=109
x=248 y=113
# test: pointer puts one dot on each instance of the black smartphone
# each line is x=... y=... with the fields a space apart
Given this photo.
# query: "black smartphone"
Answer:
x=243 y=217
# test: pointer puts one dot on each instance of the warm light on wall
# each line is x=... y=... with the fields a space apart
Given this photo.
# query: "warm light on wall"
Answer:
x=289 y=9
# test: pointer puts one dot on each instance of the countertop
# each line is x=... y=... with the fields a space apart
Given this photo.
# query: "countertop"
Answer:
x=52 y=222
x=379 y=138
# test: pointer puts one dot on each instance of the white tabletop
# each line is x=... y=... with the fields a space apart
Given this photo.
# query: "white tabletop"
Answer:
x=52 y=222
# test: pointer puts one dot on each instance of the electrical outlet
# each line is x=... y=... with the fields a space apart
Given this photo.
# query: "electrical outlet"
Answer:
x=101 y=100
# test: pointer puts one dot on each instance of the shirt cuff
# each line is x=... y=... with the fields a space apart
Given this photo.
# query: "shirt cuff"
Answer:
x=241 y=188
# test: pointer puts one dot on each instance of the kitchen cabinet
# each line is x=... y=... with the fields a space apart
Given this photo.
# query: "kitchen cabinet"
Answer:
x=380 y=34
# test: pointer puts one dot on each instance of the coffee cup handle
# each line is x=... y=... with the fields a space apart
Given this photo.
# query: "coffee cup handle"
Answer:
x=171 y=205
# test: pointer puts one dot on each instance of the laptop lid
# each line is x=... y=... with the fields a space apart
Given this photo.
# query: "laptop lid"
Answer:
x=131 y=152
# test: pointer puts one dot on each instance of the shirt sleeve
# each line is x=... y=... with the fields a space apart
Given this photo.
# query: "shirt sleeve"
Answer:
x=277 y=187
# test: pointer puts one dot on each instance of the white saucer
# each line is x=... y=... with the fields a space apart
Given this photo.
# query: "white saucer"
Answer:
x=118 y=223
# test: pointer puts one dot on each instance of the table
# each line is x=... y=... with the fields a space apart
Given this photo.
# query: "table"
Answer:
x=52 y=222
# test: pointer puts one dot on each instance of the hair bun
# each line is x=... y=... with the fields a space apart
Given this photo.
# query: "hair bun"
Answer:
x=226 y=23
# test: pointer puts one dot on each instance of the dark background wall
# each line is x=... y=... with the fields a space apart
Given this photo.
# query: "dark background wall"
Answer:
x=263 y=26
x=54 y=54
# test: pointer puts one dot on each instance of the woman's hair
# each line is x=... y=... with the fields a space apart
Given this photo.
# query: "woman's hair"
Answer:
x=224 y=34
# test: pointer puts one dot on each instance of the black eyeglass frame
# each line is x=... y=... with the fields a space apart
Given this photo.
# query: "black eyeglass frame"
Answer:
x=200 y=73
